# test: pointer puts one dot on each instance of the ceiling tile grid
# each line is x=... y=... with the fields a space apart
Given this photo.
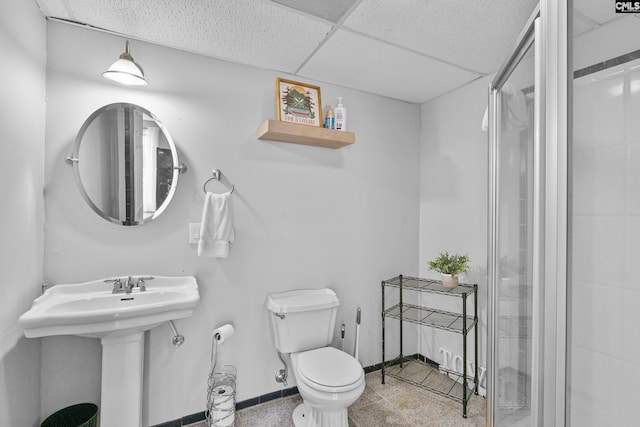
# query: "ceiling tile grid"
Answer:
x=353 y=60
x=582 y=24
x=600 y=11
x=331 y=10
x=471 y=34
x=413 y=50
x=255 y=32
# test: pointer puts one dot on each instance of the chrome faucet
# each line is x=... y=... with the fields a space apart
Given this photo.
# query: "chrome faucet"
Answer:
x=128 y=287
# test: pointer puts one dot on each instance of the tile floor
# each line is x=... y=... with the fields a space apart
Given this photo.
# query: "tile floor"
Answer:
x=394 y=404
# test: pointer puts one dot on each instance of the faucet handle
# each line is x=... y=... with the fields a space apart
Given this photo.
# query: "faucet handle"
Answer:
x=117 y=284
x=140 y=283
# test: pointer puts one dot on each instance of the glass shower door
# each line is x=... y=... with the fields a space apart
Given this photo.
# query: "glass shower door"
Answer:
x=513 y=244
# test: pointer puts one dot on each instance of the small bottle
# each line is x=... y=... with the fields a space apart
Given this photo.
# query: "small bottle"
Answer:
x=341 y=116
x=329 y=119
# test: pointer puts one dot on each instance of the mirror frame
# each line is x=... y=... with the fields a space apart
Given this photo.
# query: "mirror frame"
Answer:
x=75 y=160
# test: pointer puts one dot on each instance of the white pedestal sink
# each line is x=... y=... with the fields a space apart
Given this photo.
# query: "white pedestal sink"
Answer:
x=91 y=310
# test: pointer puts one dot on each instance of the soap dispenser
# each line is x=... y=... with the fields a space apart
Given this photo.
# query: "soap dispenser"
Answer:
x=340 y=116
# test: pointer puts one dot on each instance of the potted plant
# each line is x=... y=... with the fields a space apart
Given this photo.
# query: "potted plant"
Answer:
x=450 y=266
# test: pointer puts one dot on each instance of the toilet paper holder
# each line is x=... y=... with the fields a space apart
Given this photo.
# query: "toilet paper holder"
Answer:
x=221 y=397
x=221 y=384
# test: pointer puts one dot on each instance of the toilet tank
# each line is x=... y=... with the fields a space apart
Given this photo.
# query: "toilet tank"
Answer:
x=302 y=319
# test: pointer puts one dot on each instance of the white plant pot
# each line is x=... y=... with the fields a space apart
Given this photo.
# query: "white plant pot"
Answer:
x=449 y=281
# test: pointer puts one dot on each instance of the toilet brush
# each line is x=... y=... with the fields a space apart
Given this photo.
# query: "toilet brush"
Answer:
x=342 y=332
x=355 y=352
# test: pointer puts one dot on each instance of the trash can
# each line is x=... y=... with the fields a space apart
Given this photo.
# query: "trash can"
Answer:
x=80 y=415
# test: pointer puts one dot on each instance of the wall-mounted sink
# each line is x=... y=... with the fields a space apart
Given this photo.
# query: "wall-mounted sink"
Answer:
x=120 y=319
x=91 y=309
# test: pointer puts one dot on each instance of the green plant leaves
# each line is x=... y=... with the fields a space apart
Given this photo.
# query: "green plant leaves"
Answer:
x=450 y=264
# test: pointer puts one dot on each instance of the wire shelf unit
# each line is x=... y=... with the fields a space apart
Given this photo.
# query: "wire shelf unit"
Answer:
x=444 y=382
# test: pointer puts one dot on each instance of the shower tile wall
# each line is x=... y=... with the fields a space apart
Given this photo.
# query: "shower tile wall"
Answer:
x=605 y=364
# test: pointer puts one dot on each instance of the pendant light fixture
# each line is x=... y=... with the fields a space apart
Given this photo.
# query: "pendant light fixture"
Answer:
x=125 y=71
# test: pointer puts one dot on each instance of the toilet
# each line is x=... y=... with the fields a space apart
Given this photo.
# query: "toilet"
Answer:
x=329 y=380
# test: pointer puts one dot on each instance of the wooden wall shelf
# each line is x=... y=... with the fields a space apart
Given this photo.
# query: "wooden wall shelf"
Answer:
x=275 y=130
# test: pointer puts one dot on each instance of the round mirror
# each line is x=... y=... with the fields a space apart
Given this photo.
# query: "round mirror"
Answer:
x=125 y=164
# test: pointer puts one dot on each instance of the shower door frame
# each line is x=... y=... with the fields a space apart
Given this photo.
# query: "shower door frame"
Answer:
x=549 y=27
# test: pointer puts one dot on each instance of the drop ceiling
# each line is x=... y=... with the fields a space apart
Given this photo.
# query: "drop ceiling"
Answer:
x=412 y=50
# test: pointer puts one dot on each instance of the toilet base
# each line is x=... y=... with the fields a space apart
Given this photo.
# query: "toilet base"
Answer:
x=306 y=416
x=299 y=416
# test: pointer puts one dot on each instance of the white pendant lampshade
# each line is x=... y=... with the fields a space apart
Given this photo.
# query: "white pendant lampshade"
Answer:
x=125 y=71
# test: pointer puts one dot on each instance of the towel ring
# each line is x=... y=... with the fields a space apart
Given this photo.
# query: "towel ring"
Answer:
x=217 y=175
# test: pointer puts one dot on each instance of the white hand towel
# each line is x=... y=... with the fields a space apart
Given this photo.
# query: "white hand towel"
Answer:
x=515 y=115
x=516 y=111
x=216 y=230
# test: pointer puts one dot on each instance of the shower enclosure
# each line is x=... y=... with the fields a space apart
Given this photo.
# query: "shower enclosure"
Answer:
x=527 y=244
x=515 y=198
x=564 y=220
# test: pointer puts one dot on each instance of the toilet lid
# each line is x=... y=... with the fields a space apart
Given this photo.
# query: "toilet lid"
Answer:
x=329 y=367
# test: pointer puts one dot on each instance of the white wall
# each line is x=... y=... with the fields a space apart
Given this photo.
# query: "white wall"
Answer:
x=305 y=216
x=453 y=200
x=22 y=123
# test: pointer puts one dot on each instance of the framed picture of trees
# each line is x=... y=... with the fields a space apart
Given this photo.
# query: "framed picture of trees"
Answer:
x=298 y=102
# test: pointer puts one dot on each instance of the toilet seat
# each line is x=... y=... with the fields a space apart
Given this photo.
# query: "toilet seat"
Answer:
x=328 y=369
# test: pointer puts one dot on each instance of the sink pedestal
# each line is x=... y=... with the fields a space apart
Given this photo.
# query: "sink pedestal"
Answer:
x=91 y=309
x=122 y=364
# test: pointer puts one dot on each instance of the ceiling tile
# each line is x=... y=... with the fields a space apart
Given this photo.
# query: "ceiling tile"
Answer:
x=331 y=10
x=352 y=60
x=477 y=35
x=582 y=24
x=246 y=31
x=605 y=42
x=600 y=11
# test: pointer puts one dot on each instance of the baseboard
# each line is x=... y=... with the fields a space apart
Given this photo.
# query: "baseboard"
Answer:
x=201 y=416
x=266 y=398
